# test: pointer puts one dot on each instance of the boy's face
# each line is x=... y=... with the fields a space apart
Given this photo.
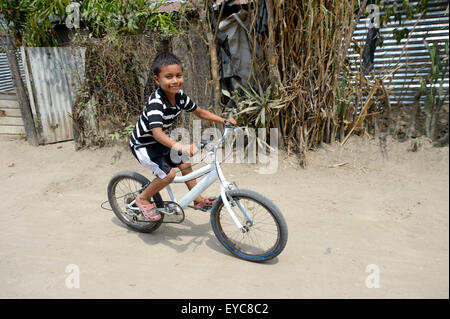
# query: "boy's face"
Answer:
x=170 y=78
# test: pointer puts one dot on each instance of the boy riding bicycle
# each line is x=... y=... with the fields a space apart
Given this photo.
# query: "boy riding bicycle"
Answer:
x=151 y=145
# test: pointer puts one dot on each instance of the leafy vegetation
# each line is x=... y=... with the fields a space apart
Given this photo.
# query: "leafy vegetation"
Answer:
x=33 y=21
x=255 y=107
x=136 y=17
x=116 y=85
x=399 y=12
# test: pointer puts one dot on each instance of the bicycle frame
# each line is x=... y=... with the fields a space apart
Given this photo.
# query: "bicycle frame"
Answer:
x=214 y=172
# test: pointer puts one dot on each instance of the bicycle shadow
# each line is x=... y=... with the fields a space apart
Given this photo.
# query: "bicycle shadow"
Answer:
x=170 y=235
x=173 y=235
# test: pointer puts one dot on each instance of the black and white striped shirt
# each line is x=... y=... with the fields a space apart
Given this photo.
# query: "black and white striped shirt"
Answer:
x=159 y=112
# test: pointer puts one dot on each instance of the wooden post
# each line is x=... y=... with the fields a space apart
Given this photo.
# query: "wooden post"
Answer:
x=275 y=75
x=211 y=37
x=22 y=96
x=215 y=72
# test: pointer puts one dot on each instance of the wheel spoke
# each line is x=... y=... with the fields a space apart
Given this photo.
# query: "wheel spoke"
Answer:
x=125 y=191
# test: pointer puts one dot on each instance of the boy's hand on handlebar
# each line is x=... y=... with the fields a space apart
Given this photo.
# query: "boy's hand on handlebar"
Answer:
x=194 y=149
x=232 y=121
x=190 y=149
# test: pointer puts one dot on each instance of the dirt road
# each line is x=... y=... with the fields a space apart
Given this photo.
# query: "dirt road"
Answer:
x=362 y=224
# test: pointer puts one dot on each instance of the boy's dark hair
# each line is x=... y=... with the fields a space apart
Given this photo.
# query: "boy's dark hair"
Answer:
x=163 y=59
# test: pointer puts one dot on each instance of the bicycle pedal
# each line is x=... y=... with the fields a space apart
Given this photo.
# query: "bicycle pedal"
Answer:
x=173 y=213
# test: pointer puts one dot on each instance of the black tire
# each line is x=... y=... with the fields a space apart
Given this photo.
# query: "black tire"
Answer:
x=118 y=196
x=221 y=222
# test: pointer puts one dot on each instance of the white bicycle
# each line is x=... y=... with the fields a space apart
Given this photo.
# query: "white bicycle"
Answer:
x=246 y=223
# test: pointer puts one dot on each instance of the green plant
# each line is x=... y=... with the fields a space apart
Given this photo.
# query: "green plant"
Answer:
x=399 y=12
x=117 y=82
x=14 y=15
x=122 y=135
x=432 y=87
x=132 y=17
x=343 y=104
x=416 y=144
x=33 y=21
x=255 y=107
x=115 y=136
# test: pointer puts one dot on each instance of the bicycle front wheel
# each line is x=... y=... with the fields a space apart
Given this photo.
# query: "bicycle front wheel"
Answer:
x=266 y=234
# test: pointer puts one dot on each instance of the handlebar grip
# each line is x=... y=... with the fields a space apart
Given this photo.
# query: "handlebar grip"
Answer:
x=203 y=144
x=228 y=124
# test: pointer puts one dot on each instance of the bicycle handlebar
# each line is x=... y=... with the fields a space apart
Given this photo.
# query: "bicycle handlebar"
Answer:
x=228 y=125
x=203 y=144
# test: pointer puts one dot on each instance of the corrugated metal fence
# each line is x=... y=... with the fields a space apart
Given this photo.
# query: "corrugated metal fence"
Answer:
x=6 y=82
x=11 y=123
x=50 y=81
x=411 y=56
x=54 y=73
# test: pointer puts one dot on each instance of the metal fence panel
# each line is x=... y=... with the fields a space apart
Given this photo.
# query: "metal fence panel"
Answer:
x=411 y=56
x=55 y=73
x=6 y=82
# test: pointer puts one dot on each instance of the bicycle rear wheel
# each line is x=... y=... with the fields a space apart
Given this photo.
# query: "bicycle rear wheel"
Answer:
x=122 y=190
x=266 y=234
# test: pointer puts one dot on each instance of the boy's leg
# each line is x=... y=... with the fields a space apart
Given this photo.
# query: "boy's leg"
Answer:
x=185 y=169
x=164 y=174
x=155 y=186
x=200 y=202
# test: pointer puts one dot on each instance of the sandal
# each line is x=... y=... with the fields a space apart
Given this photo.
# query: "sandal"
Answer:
x=149 y=211
x=205 y=204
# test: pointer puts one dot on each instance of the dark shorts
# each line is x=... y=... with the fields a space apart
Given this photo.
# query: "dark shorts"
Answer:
x=158 y=158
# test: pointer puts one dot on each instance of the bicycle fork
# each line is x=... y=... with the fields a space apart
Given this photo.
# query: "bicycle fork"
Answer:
x=224 y=186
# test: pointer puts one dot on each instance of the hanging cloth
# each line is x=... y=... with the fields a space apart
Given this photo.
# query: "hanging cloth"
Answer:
x=235 y=27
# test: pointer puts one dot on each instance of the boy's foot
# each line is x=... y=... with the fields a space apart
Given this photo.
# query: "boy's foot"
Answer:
x=149 y=211
x=205 y=204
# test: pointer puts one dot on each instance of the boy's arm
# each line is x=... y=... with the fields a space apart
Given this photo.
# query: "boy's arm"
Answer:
x=165 y=140
x=208 y=116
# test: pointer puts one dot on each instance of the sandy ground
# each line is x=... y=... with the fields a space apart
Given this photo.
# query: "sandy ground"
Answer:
x=359 y=216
